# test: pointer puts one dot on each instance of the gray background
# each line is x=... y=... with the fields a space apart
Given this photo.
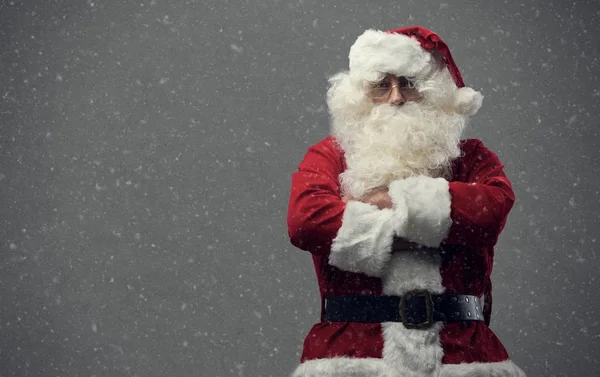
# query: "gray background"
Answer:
x=146 y=149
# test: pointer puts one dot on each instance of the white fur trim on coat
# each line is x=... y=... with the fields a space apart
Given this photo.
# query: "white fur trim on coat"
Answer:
x=501 y=369
x=428 y=202
x=410 y=352
x=370 y=367
x=343 y=367
x=375 y=52
x=364 y=242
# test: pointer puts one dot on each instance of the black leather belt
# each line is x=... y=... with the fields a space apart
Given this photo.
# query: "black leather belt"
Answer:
x=415 y=309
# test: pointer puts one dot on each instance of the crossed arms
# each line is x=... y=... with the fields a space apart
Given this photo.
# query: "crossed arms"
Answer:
x=357 y=235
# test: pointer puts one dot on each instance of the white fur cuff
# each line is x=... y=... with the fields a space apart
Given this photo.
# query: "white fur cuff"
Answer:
x=427 y=202
x=364 y=242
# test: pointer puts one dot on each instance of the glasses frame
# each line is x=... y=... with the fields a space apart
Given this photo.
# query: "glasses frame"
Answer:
x=409 y=92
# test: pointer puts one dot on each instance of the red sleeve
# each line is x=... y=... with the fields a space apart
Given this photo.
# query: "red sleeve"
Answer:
x=315 y=207
x=480 y=205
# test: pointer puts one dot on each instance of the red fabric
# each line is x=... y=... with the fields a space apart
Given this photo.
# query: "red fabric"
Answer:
x=343 y=339
x=430 y=40
x=482 y=197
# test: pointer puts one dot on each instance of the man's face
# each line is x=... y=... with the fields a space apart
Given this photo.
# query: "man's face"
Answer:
x=394 y=90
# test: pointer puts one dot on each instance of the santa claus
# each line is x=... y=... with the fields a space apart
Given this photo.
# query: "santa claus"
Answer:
x=401 y=216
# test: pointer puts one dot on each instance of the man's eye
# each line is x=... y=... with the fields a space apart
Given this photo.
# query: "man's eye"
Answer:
x=383 y=85
x=406 y=83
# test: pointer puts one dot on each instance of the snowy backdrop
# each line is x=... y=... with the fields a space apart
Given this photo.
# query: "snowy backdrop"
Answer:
x=145 y=154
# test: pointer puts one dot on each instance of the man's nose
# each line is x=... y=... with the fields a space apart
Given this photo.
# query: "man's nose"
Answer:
x=396 y=96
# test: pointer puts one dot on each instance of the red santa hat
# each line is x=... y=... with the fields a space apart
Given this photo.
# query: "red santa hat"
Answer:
x=408 y=52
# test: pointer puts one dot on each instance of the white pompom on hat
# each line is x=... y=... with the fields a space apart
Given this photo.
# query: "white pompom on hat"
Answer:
x=407 y=52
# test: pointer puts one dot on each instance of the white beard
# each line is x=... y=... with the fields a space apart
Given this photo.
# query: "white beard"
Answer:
x=392 y=142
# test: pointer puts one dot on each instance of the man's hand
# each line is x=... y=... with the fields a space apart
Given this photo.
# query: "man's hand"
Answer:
x=378 y=197
x=347 y=198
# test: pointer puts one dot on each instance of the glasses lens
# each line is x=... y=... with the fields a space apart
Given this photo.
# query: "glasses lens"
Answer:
x=411 y=94
x=380 y=91
x=384 y=88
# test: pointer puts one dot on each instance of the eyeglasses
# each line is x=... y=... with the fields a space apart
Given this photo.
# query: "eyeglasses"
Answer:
x=383 y=89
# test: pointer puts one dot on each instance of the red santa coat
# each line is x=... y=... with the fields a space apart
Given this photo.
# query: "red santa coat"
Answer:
x=350 y=243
